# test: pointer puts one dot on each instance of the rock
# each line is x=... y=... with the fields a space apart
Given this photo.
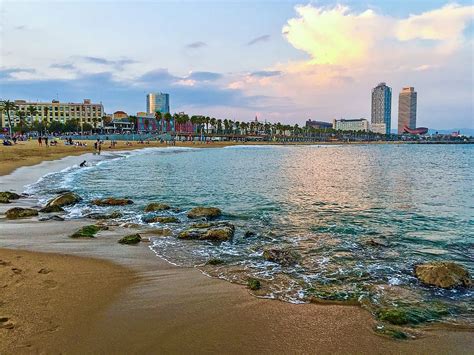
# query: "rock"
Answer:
x=131 y=239
x=52 y=209
x=215 y=261
x=376 y=243
x=88 y=231
x=51 y=218
x=131 y=225
x=162 y=232
x=253 y=284
x=3 y=199
x=249 y=234
x=215 y=232
x=204 y=212
x=113 y=215
x=443 y=274
x=281 y=256
x=152 y=207
x=161 y=219
x=7 y=196
x=111 y=201
x=66 y=199
x=413 y=314
x=18 y=212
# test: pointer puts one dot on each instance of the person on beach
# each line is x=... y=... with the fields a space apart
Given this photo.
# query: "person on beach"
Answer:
x=83 y=164
x=40 y=141
x=100 y=147
x=95 y=145
x=46 y=140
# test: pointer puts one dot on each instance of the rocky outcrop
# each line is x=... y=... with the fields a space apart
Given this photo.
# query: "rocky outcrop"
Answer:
x=443 y=274
x=282 y=256
x=111 y=201
x=18 y=212
x=155 y=206
x=131 y=239
x=65 y=199
x=88 y=231
x=217 y=232
x=204 y=212
x=7 y=195
x=161 y=219
x=112 y=215
x=51 y=209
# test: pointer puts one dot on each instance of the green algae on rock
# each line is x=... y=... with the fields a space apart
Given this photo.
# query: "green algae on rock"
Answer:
x=88 y=231
x=155 y=206
x=18 y=212
x=131 y=239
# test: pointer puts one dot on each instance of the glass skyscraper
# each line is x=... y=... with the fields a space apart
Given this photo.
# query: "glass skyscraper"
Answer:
x=407 y=109
x=381 y=109
x=157 y=102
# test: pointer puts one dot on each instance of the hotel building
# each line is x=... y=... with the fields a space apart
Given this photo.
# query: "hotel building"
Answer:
x=85 y=112
x=157 y=102
x=360 y=124
x=407 y=109
x=381 y=109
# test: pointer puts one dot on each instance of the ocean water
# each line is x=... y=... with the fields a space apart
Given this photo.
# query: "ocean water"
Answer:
x=328 y=203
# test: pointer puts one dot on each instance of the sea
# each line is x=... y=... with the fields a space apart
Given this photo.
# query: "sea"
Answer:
x=361 y=217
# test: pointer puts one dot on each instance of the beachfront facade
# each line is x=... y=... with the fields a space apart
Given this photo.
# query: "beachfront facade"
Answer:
x=360 y=124
x=157 y=102
x=407 y=101
x=381 y=109
x=318 y=124
x=85 y=112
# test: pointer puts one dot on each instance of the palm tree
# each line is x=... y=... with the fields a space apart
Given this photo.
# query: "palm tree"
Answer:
x=133 y=120
x=95 y=121
x=32 y=111
x=168 y=119
x=7 y=107
x=21 y=122
x=158 y=117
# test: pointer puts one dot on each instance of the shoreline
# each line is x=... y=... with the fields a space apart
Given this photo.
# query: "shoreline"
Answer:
x=161 y=307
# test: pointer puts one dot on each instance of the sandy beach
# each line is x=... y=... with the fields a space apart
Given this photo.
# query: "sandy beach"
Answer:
x=62 y=295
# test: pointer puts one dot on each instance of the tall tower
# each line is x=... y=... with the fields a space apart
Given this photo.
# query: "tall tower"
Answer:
x=157 y=102
x=381 y=109
x=407 y=109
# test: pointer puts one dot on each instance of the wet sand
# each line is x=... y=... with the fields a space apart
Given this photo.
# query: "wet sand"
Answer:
x=128 y=300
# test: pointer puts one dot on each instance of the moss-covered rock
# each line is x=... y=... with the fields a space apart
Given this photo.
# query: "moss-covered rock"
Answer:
x=161 y=219
x=18 y=212
x=3 y=199
x=112 y=215
x=88 y=231
x=215 y=261
x=51 y=209
x=7 y=196
x=412 y=314
x=131 y=239
x=253 y=284
x=111 y=201
x=282 y=256
x=155 y=206
x=65 y=199
x=204 y=212
x=391 y=332
x=443 y=274
x=217 y=232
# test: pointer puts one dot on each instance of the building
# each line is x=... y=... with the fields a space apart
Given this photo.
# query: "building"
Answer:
x=407 y=109
x=360 y=124
x=318 y=124
x=381 y=109
x=157 y=102
x=85 y=112
x=119 y=115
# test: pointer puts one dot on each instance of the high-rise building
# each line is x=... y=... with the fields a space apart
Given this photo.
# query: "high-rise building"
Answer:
x=157 y=102
x=407 y=109
x=381 y=109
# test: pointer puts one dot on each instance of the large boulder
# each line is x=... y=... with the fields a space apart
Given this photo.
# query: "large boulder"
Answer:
x=155 y=206
x=65 y=199
x=111 y=201
x=204 y=212
x=217 y=232
x=131 y=239
x=6 y=196
x=18 y=212
x=443 y=274
x=52 y=209
x=282 y=256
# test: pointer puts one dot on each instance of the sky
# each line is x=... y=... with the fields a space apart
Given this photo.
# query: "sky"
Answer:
x=285 y=61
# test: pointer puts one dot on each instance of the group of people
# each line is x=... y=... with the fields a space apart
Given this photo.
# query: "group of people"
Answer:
x=98 y=146
x=43 y=139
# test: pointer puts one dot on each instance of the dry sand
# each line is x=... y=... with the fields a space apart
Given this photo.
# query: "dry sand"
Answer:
x=131 y=301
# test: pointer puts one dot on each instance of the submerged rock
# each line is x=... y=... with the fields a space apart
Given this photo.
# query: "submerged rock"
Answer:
x=88 y=231
x=111 y=201
x=6 y=196
x=52 y=218
x=131 y=239
x=155 y=206
x=162 y=232
x=65 y=199
x=283 y=256
x=18 y=212
x=215 y=261
x=215 y=232
x=253 y=284
x=51 y=209
x=406 y=314
x=443 y=274
x=249 y=234
x=161 y=219
x=112 y=215
x=204 y=212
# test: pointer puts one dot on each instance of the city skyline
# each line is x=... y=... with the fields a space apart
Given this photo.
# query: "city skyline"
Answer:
x=219 y=72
